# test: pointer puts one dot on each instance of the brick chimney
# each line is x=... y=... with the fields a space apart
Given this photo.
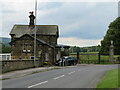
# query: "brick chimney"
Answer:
x=32 y=18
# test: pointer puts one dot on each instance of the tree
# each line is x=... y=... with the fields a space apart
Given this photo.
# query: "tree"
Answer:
x=5 y=49
x=113 y=34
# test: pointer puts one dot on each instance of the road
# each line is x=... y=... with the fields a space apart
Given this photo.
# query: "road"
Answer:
x=72 y=77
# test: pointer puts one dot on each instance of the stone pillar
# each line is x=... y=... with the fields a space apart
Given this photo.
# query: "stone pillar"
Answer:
x=111 y=52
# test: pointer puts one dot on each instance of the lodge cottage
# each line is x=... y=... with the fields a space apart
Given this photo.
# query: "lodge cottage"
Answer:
x=22 y=42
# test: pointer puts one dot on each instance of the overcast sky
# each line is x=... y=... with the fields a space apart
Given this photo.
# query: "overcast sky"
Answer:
x=80 y=23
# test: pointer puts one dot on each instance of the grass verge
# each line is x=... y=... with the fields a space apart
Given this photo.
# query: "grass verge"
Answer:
x=110 y=80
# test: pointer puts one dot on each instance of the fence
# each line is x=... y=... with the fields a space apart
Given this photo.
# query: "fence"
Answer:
x=94 y=58
x=94 y=62
x=5 y=56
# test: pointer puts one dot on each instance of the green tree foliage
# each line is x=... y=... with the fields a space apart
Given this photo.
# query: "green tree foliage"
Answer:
x=113 y=33
x=4 y=48
x=84 y=49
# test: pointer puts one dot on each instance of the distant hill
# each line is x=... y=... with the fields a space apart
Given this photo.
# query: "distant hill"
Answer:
x=5 y=40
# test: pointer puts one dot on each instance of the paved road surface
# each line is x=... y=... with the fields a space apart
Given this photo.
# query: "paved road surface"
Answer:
x=72 y=77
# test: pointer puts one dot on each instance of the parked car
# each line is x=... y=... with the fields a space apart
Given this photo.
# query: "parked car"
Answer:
x=70 y=60
x=66 y=60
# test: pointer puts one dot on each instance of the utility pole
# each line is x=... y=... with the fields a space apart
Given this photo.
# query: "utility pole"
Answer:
x=35 y=33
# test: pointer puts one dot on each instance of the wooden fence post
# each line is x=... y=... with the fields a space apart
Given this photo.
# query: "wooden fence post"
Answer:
x=99 y=58
x=78 y=57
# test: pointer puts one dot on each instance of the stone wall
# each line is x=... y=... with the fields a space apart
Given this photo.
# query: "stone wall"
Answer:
x=13 y=65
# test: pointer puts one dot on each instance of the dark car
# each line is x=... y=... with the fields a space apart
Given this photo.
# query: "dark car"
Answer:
x=66 y=60
x=70 y=60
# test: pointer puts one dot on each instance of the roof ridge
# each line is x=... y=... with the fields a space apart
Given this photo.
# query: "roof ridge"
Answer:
x=36 y=25
x=20 y=30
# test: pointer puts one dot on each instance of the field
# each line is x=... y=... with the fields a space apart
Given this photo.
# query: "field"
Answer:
x=110 y=80
x=92 y=56
x=86 y=53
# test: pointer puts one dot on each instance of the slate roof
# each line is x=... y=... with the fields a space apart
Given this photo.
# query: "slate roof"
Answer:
x=43 y=42
x=20 y=30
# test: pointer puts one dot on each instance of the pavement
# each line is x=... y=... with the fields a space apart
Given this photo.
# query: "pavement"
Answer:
x=20 y=73
x=79 y=76
x=24 y=72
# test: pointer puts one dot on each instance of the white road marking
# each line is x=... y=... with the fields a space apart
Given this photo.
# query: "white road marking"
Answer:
x=37 y=84
x=58 y=77
x=71 y=72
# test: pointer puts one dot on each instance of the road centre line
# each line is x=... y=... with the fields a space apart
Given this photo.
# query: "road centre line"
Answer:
x=71 y=72
x=58 y=77
x=37 y=84
x=47 y=81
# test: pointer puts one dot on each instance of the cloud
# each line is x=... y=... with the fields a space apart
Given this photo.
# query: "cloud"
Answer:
x=14 y=13
x=50 y=5
x=81 y=20
x=71 y=41
x=76 y=20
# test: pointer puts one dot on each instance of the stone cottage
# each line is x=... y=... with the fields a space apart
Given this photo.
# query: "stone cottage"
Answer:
x=22 y=43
